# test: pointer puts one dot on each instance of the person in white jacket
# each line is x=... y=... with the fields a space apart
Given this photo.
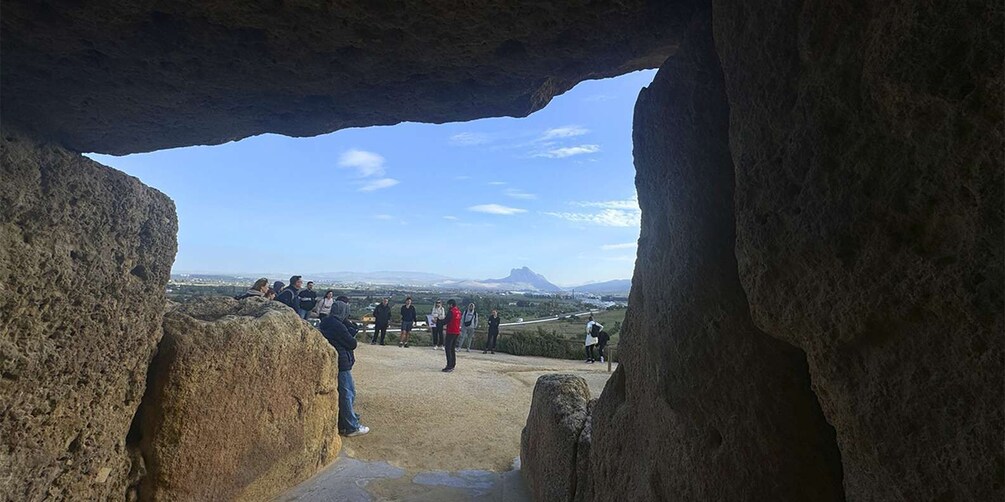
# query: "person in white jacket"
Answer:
x=324 y=306
x=438 y=318
x=469 y=322
x=592 y=331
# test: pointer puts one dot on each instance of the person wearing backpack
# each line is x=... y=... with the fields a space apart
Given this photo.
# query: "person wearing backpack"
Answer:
x=593 y=329
x=468 y=325
x=291 y=295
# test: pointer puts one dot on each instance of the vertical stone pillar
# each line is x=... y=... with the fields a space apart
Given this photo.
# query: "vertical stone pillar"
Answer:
x=867 y=139
x=85 y=254
x=704 y=406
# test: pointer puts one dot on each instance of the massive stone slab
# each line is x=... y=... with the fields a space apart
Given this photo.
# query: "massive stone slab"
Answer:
x=241 y=403
x=704 y=406
x=120 y=76
x=550 y=441
x=85 y=252
x=868 y=146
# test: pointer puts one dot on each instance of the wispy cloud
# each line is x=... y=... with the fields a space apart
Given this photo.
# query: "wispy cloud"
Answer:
x=605 y=218
x=563 y=132
x=624 y=245
x=568 y=151
x=497 y=183
x=469 y=139
x=613 y=213
x=452 y=218
x=365 y=163
x=378 y=184
x=496 y=209
x=516 y=193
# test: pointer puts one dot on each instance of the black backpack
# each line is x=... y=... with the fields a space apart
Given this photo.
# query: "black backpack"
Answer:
x=595 y=330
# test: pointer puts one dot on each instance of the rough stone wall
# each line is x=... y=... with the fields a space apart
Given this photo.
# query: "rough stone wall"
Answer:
x=119 y=76
x=85 y=252
x=241 y=403
x=704 y=406
x=868 y=144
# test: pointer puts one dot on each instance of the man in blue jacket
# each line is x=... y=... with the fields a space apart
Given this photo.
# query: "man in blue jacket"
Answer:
x=341 y=334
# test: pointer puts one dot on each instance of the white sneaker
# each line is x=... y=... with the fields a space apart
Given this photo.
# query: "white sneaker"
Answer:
x=358 y=432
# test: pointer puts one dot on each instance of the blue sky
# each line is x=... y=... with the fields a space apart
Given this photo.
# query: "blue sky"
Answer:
x=554 y=191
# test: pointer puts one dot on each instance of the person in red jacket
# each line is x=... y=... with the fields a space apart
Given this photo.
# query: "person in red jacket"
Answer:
x=453 y=330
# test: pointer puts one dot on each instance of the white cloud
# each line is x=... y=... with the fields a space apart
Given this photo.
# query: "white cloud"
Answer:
x=605 y=218
x=568 y=151
x=519 y=194
x=469 y=139
x=631 y=203
x=378 y=184
x=497 y=183
x=496 y=209
x=563 y=132
x=625 y=245
x=365 y=163
x=452 y=218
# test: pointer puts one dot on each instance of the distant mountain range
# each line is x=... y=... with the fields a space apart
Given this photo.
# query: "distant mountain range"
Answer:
x=605 y=288
x=519 y=279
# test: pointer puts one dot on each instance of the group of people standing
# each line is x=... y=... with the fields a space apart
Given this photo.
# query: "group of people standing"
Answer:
x=303 y=301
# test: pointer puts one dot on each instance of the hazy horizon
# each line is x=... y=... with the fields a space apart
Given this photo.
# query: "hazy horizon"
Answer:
x=553 y=191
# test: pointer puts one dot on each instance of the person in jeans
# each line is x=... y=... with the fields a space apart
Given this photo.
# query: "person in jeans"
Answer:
x=468 y=325
x=453 y=330
x=490 y=342
x=308 y=299
x=438 y=317
x=341 y=334
x=407 y=321
x=381 y=320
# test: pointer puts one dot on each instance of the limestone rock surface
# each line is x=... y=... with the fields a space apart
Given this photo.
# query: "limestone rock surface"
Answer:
x=120 y=76
x=85 y=252
x=242 y=402
x=703 y=405
x=550 y=440
x=869 y=205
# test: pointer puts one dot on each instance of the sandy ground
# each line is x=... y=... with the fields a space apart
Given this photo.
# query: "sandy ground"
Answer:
x=422 y=419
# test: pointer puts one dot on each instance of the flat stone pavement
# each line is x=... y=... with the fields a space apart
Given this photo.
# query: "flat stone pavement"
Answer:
x=434 y=435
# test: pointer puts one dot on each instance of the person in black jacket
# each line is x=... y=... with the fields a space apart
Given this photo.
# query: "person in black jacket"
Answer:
x=341 y=334
x=308 y=298
x=490 y=343
x=382 y=318
x=290 y=296
x=407 y=321
x=604 y=337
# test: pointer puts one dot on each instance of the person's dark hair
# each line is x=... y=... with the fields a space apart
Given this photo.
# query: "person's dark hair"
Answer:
x=329 y=292
x=342 y=298
x=294 y=279
x=451 y=302
x=591 y=317
x=408 y=298
x=261 y=283
x=310 y=282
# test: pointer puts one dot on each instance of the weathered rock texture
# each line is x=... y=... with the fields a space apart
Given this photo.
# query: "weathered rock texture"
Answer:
x=119 y=77
x=85 y=252
x=549 y=443
x=241 y=403
x=704 y=406
x=868 y=145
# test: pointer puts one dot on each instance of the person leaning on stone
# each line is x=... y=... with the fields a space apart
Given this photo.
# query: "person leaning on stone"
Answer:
x=291 y=295
x=341 y=334
x=308 y=299
x=259 y=289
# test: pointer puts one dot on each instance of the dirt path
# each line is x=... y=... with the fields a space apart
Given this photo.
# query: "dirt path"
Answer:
x=422 y=419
